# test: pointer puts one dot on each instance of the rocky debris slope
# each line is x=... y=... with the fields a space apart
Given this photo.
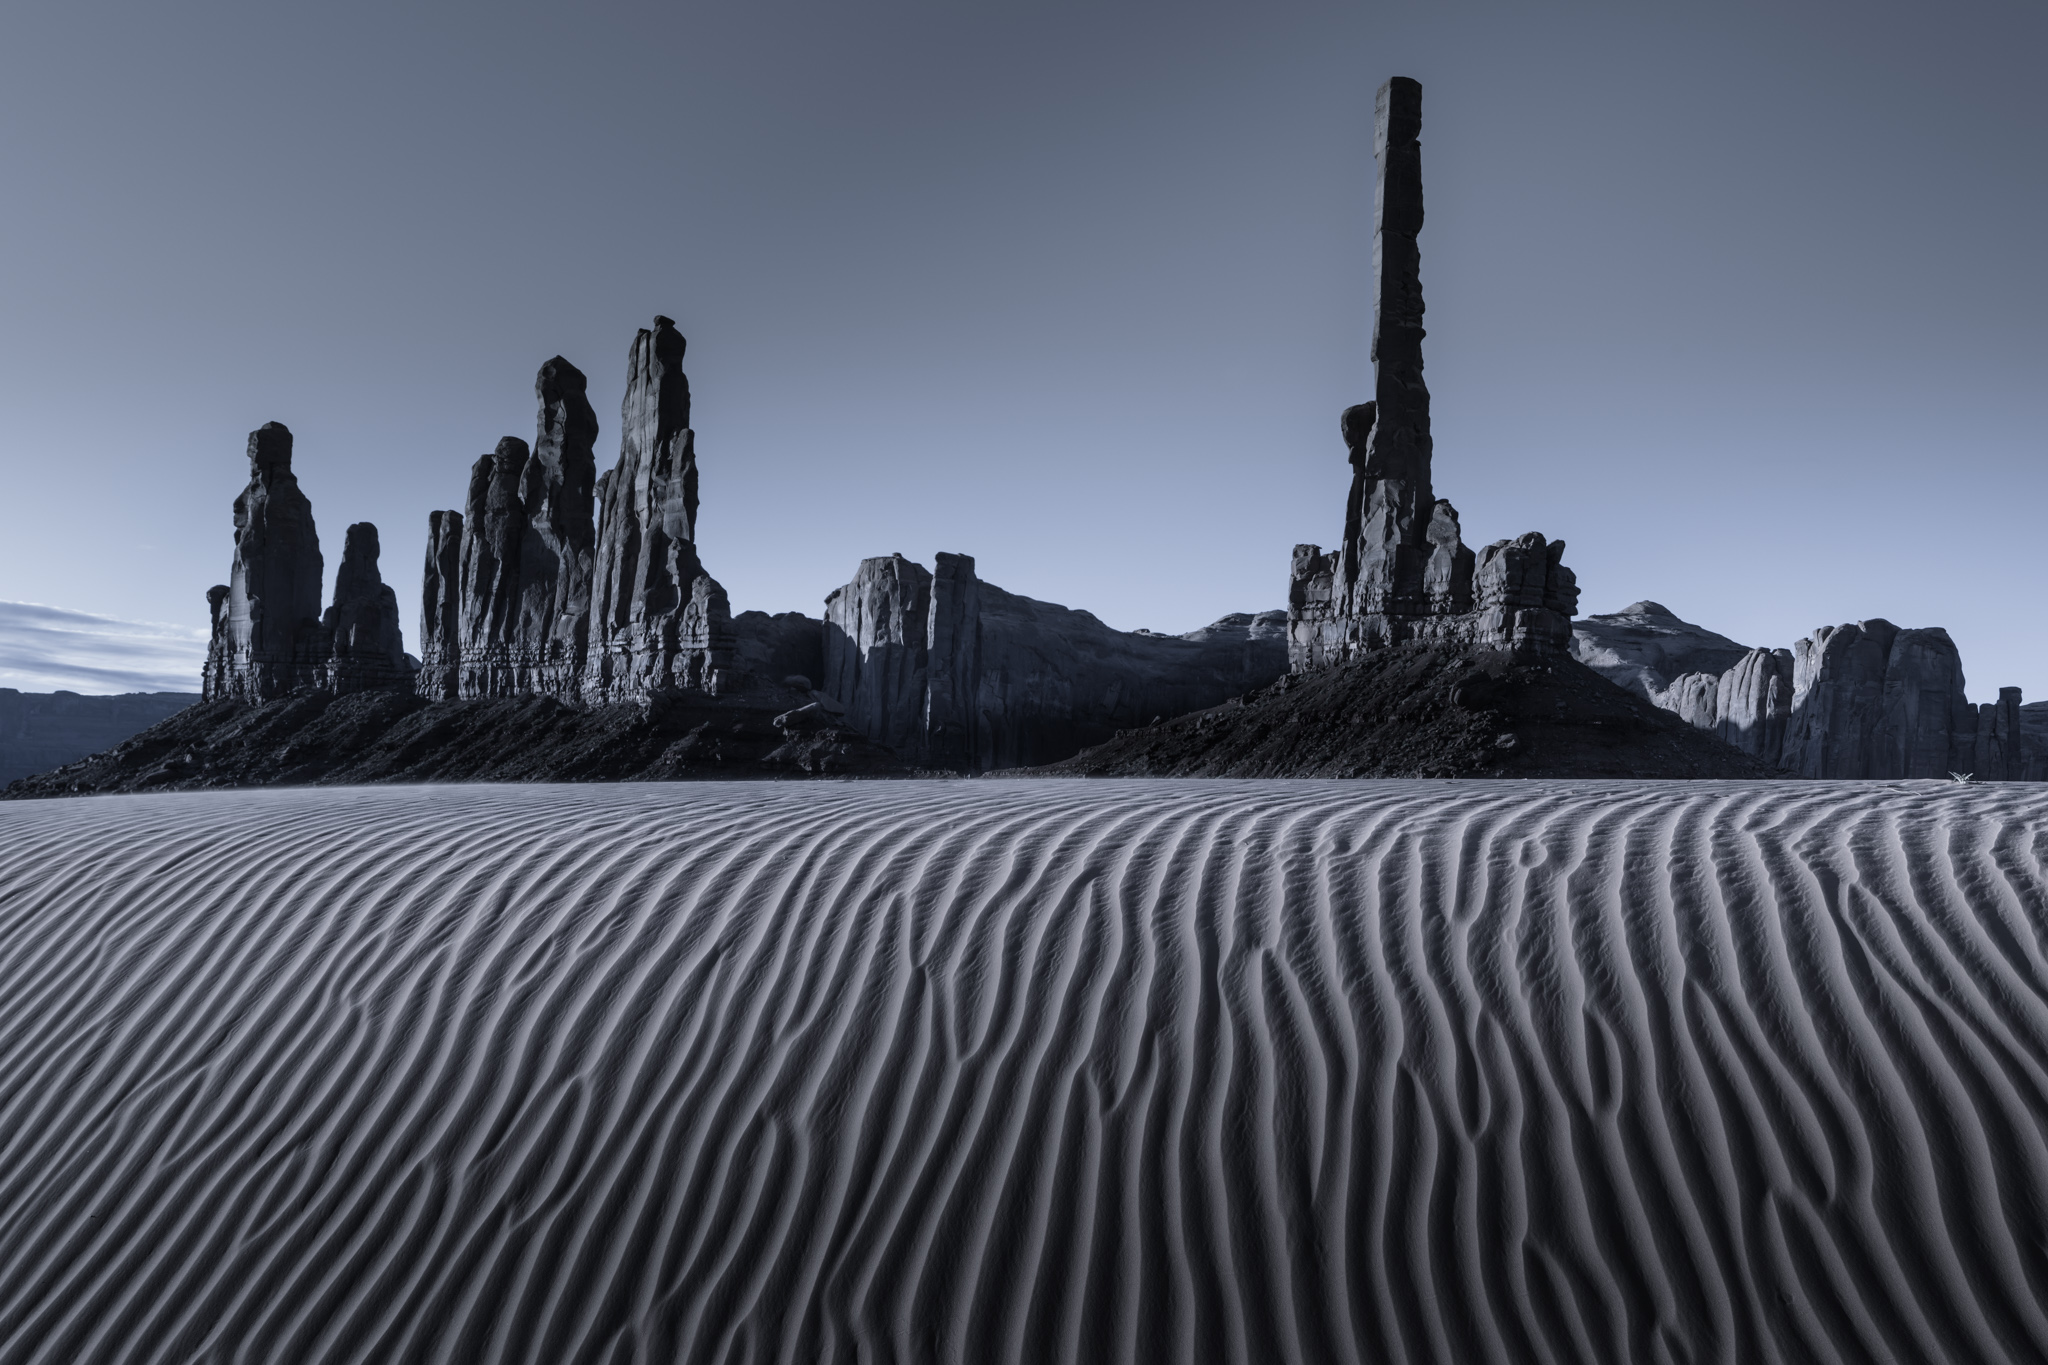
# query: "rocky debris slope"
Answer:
x=1862 y=700
x=1420 y=710
x=1403 y=571
x=316 y=737
x=43 y=730
x=956 y=673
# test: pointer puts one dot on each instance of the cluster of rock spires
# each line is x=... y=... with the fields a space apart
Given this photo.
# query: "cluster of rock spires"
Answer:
x=269 y=636
x=1403 y=572
x=1862 y=700
x=553 y=581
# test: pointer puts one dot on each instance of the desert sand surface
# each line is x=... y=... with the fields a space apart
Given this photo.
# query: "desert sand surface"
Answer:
x=1027 y=1071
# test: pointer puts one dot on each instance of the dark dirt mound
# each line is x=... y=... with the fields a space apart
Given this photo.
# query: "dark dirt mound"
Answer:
x=315 y=738
x=1420 y=711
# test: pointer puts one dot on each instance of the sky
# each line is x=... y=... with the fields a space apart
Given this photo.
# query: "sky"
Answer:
x=47 y=649
x=1745 y=302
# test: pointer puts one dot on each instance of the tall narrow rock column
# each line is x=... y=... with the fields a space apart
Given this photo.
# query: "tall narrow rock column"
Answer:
x=1384 y=563
x=558 y=553
x=266 y=624
x=441 y=609
x=658 y=620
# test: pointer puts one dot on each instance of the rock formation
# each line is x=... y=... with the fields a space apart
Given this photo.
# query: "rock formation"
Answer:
x=2033 y=731
x=493 y=533
x=957 y=673
x=1753 y=702
x=1403 y=572
x=528 y=542
x=1645 y=648
x=266 y=618
x=368 y=645
x=1862 y=700
x=440 y=675
x=1872 y=700
x=658 y=620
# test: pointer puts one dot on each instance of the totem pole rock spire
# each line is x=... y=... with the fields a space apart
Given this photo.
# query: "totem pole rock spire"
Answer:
x=1403 y=571
x=1399 y=446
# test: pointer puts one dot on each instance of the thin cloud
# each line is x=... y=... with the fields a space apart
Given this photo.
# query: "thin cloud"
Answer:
x=51 y=649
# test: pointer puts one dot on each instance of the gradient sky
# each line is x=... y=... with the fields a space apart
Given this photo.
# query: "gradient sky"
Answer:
x=1746 y=302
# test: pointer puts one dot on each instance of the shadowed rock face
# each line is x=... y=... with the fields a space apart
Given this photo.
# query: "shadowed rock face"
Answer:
x=369 y=647
x=1402 y=572
x=658 y=620
x=956 y=673
x=528 y=543
x=266 y=618
x=558 y=489
x=440 y=676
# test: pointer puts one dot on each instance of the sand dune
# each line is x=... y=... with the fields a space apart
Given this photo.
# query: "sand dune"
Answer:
x=1258 y=1071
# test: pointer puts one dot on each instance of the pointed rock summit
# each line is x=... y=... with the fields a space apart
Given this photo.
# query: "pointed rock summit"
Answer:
x=658 y=620
x=1403 y=571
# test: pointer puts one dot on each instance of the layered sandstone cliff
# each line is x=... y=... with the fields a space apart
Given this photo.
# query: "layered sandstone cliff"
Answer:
x=1866 y=699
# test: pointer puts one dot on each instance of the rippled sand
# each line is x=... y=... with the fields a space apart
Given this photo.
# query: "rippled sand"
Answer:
x=993 y=1071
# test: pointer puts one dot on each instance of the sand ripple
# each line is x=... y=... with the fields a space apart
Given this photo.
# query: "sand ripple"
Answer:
x=989 y=1072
